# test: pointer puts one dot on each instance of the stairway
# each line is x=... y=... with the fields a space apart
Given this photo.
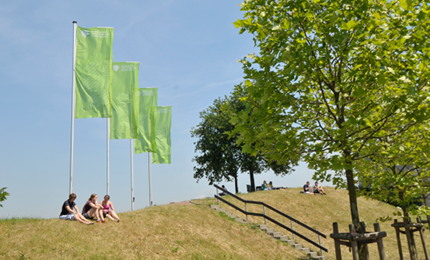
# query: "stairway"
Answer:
x=276 y=235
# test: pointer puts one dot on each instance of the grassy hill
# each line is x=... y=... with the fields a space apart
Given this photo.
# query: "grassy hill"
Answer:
x=189 y=231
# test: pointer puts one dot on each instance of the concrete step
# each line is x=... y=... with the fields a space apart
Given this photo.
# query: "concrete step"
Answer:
x=305 y=250
x=277 y=235
x=270 y=231
x=216 y=207
x=297 y=246
x=240 y=220
x=263 y=227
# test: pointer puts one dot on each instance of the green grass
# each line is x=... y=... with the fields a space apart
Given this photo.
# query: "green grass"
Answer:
x=192 y=231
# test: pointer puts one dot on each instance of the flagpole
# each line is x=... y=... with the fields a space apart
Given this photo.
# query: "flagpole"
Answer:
x=149 y=178
x=132 y=172
x=72 y=128
x=107 y=155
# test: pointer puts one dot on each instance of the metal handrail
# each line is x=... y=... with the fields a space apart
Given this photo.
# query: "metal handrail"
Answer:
x=271 y=219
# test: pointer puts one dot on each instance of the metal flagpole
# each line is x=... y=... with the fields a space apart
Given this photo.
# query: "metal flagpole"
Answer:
x=149 y=178
x=107 y=155
x=132 y=172
x=72 y=130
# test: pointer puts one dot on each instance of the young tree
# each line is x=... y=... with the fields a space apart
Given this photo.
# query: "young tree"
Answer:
x=399 y=171
x=330 y=77
x=3 y=195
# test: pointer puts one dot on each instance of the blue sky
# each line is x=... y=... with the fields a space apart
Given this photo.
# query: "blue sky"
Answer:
x=188 y=49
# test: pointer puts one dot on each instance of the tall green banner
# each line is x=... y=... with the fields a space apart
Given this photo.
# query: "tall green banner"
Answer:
x=163 y=122
x=145 y=107
x=93 y=71
x=125 y=82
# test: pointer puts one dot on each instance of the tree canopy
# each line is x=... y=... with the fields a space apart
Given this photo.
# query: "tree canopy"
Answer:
x=330 y=78
x=219 y=156
x=3 y=195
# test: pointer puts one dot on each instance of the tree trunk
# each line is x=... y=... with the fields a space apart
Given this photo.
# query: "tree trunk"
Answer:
x=236 y=185
x=362 y=249
x=251 y=178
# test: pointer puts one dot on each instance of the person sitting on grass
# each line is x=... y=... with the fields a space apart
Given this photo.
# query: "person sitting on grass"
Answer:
x=318 y=189
x=93 y=210
x=70 y=211
x=270 y=185
x=264 y=185
x=307 y=188
x=108 y=210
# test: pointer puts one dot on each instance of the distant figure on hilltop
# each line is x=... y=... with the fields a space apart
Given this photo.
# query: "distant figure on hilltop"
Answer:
x=108 y=209
x=264 y=185
x=319 y=189
x=307 y=188
x=70 y=211
x=270 y=185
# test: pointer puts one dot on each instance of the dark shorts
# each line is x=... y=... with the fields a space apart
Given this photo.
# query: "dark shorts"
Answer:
x=87 y=216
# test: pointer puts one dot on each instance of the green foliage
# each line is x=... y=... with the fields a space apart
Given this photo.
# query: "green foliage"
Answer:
x=3 y=195
x=220 y=157
x=330 y=78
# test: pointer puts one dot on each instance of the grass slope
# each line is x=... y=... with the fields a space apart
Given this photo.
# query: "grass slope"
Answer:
x=191 y=231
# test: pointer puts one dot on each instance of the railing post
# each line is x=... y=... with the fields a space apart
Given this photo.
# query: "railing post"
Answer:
x=264 y=213
x=292 y=234
x=319 y=243
x=246 y=211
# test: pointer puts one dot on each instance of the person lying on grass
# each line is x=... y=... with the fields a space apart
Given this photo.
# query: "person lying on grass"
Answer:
x=93 y=210
x=70 y=211
x=108 y=209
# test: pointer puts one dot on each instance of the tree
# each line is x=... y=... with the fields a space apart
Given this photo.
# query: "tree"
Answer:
x=399 y=172
x=3 y=195
x=330 y=77
x=220 y=157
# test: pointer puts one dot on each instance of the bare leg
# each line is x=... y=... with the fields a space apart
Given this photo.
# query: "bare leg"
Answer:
x=82 y=219
x=110 y=217
x=113 y=214
x=100 y=215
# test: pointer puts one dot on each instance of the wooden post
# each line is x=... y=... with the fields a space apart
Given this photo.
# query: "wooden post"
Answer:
x=364 y=249
x=380 y=243
x=336 y=242
x=399 y=242
x=354 y=244
x=410 y=238
x=422 y=238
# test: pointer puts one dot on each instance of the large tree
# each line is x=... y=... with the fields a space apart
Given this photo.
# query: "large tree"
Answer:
x=331 y=76
x=219 y=156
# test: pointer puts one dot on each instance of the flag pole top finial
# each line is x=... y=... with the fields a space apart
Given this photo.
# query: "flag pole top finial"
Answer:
x=75 y=22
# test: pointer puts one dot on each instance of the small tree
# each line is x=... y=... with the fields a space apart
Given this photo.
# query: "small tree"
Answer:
x=3 y=195
x=399 y=171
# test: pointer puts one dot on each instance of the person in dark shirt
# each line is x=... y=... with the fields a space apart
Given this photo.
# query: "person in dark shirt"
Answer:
x=69 y=211
x=307 y=188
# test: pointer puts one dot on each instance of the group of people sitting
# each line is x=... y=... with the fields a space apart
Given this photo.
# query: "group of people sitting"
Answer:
x=92 y=210
x=317 y=189
x=267 y=186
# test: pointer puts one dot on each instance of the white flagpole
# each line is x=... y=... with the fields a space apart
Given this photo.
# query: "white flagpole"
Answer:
x=107 y=155
x=72 y=130
x=132 y=172
x=149 y=178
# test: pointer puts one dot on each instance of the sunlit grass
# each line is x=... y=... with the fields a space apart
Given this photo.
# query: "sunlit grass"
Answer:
x=193 y=231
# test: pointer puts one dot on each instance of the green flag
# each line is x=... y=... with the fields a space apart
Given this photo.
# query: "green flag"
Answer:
x=125 y=82
x=93 y=71
x=163 y=122
x=145 y=107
